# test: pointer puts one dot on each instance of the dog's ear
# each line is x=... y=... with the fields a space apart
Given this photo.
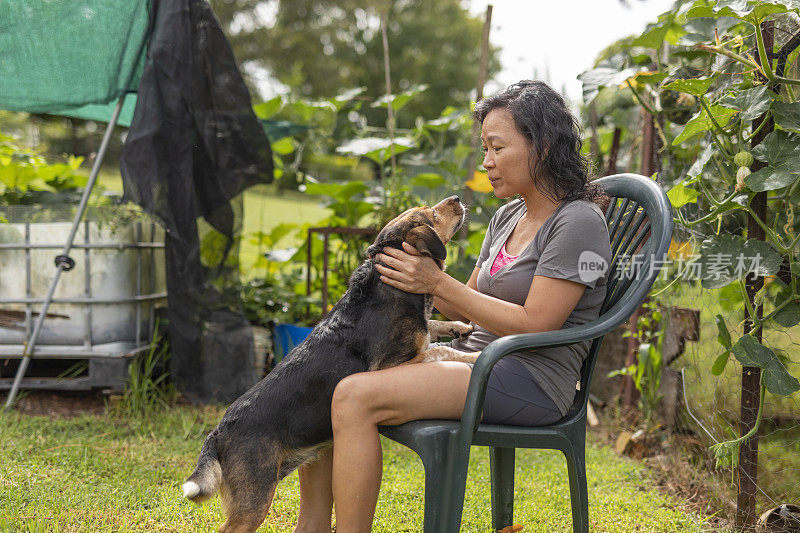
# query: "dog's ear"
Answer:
x=425 y=240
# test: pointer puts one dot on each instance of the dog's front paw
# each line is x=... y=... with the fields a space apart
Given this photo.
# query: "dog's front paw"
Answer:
x=460 y=330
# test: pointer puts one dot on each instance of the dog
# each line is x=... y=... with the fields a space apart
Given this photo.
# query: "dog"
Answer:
x=284 y=421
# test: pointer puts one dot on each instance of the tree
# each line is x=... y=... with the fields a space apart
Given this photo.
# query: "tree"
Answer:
x=317 y=48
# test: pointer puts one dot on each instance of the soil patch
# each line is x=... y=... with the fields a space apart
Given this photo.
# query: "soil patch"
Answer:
x=59 y=403
x=680 y=466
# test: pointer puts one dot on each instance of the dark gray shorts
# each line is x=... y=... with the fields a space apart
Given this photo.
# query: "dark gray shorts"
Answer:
x=514 y=398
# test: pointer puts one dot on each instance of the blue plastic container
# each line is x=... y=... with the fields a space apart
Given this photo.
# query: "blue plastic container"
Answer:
x=287 y=336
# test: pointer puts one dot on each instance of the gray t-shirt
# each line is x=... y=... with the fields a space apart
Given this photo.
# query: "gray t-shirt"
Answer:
x=572 y=244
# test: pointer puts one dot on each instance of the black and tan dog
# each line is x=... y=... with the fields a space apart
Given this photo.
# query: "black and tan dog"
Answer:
x=284 y=421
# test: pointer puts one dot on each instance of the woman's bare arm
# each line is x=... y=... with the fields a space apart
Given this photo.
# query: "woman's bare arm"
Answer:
x=547 y=306
x=447 y=309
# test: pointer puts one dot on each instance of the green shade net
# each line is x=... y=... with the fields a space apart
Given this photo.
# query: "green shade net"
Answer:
x=76 y=58
x=72 y=57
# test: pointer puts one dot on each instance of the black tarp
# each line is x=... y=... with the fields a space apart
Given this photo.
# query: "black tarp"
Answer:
x=194 y=145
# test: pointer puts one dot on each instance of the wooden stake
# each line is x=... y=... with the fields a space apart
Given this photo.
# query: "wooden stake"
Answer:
x=612 y=156
x=472 y=161
x=388 y=78
x=751 y=376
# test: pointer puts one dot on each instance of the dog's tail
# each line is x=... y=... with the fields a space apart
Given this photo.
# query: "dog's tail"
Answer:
x=206 y=478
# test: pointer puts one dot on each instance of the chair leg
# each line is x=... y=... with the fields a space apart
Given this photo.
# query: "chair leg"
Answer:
x=501 y=461
x=434 y=496
x=455 y=484
x=579 y=493
x=435 y=450
x=445 y=476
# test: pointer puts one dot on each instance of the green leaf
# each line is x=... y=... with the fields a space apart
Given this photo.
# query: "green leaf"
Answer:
x=701 y=122
x=627 y=371
x=320 y=113
x=789 y=316
x=700 y=11
x=428 y=179
x=266 y=109
x=75 y=162
x=652 y=37
x=693 y=86
x=769 y=179
x=787 y=116
x=376 y=148
x=749 y=352
x=438 y=124
x=720 y=362
x=461 y=151
x=339 y=191
x=283 y=146
x=751 y=103
x=723 y=336
x=279 y=232
x=650 y=78
x=401 y=99
x=681 y=195
x=595 y=79
x=341 y=99
x=726 y=258
x=781 y=150
x=730 y=298
x=79 y=180
x=767 y=258
x=764 y=8
x=447 y=121
x=700 y=163
x=747 y=10
x=726 y=454
x=795 y=268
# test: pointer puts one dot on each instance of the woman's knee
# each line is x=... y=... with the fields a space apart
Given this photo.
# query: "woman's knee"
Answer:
x=351 y=400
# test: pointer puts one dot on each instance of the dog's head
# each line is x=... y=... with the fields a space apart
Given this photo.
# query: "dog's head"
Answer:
x=425 y=228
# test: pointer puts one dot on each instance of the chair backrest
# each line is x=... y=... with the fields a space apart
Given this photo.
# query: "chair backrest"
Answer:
x=639 y=218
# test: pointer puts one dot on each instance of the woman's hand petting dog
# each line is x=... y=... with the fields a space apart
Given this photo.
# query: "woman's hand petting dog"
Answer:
x=410 y=271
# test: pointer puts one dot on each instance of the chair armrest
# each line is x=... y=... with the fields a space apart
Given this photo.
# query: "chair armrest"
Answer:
x=496 y=350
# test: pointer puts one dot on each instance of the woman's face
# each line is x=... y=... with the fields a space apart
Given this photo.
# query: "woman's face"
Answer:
x=506 y=155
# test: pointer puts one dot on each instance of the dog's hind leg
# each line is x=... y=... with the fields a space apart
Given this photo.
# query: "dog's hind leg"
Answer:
x=246 y=511
x=445 y=353
x=247 y=492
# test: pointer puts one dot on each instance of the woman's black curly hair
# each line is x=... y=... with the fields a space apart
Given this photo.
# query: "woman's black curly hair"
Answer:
x=554 y=134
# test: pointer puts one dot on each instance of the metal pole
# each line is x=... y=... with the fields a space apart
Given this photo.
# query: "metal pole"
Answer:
x=31 y=343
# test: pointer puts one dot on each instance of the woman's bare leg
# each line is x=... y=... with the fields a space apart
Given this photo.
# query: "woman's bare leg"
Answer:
x=393 y=396
x=316 y=495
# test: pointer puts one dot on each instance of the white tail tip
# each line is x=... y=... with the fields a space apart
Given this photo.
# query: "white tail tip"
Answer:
x=190 y=489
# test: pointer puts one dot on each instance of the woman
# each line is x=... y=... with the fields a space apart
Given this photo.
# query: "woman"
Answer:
x=527 y=279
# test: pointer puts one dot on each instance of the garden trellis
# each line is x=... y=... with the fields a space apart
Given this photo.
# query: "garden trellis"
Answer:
x=164 y=68
x=719 y=80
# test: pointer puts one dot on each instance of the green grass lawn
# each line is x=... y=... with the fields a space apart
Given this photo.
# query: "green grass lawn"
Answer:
x=264 y=208
x=100 y=473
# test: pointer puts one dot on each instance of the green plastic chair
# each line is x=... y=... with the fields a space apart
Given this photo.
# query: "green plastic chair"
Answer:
x=640 y=228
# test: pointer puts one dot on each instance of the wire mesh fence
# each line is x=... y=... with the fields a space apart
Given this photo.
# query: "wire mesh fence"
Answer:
x=712 y=403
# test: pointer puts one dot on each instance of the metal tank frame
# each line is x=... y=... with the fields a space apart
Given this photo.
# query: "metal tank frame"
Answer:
x=104 y=366
x=89 y=349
